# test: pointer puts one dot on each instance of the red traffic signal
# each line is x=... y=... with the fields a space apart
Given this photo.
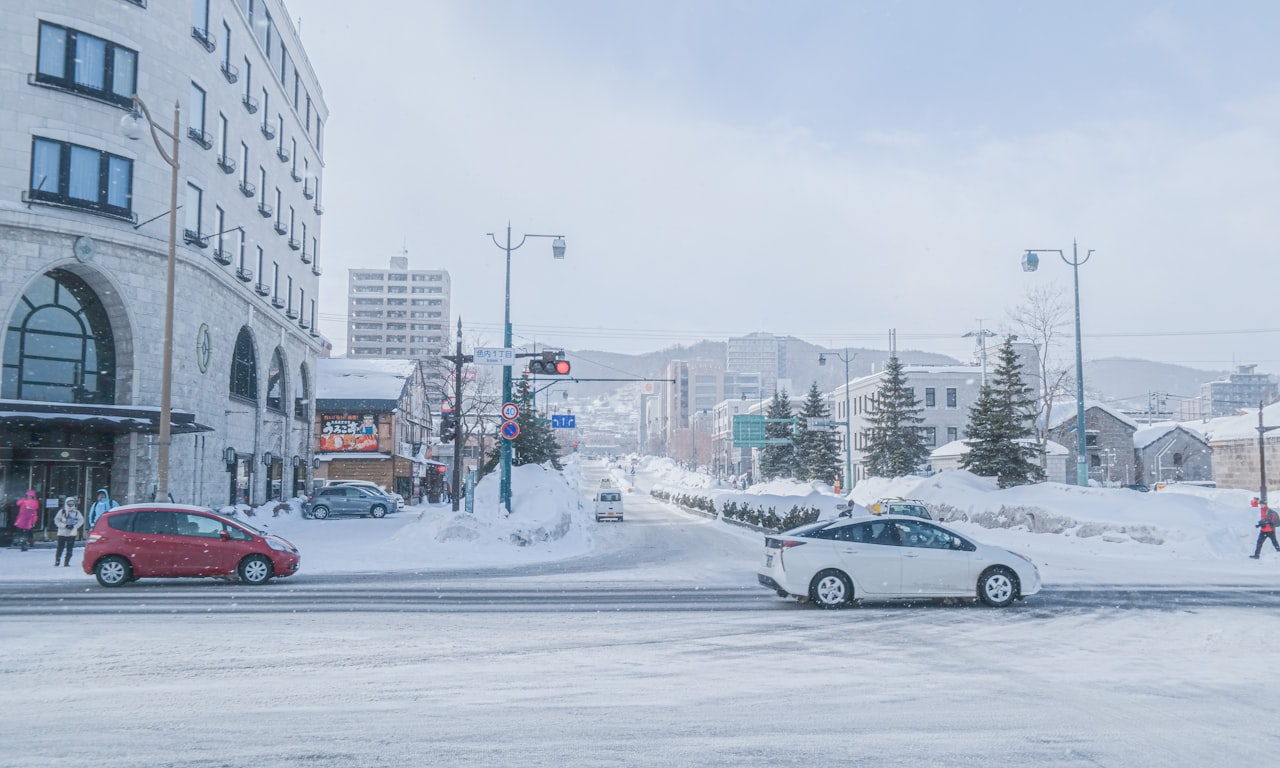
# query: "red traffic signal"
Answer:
x=550 y=365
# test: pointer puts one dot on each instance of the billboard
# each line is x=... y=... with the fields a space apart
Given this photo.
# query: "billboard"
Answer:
x=349 y=433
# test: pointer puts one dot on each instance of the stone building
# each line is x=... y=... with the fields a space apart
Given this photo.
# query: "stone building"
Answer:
x=85 y=217
x=1237 y=460
x=1108 y=443
x=1171 y=453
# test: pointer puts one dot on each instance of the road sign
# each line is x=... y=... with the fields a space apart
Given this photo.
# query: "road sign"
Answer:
x=567 y=421
x=510 y=429
x=748 y=431
x=494 y=356
x=510 y=411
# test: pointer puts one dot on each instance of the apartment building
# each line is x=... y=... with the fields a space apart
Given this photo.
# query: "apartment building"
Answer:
x=397 y=312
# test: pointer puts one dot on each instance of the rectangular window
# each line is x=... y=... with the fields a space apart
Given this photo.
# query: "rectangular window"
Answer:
x=240 y=243
x=222 y=136
x=289 y=298
x=248 y=79
x=195 y=114
x=244 y=162
x=953 y=434
x=275 y=280
x=220 y=224
x=951 y=397
x=261 y=24
x=930 y=397
x=226 y=47
x=262 y=260
x=195 y=202
x=1091 y=439
x=76 y=61
x=417 y=278
x=69 y=174
x=200 y=15
x=398 y=278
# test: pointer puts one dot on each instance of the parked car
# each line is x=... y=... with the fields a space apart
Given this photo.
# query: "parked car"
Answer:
x=347 y=500
x=367 y=485
x=172 y=540
x=833 y=562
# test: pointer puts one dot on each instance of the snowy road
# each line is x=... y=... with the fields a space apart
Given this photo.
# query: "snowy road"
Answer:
x=655 y=650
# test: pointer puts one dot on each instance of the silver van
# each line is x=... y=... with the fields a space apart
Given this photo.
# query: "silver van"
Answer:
x=609 y=505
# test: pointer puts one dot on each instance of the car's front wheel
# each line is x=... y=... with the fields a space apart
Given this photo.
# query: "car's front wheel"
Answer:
x=255 y=569
x=113 y=571
x=831 y=589
x=997 y=587
x=320 y=512
x=378 y=511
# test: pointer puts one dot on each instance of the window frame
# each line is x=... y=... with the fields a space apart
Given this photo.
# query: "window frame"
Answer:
x=68 y=82
x=63 y=196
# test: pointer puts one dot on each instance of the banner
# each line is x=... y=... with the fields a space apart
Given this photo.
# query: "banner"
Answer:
x=349 y=433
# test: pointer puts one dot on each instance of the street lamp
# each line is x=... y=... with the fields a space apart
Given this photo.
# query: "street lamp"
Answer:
x=1030 y=261
x=557 y=251
x=846 y=358
x=131 y=125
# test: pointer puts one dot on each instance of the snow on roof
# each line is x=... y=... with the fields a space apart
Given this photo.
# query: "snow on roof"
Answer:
x=1242 y=427
x=1149 y=434
x=957 y=448
x=1065 y=411
x=344 y=378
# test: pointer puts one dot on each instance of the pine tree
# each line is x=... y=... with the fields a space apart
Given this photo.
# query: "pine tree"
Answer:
x=817 y=450
x=536 y=443
x=779 y=460
x=1001 y=418
x=895 y=446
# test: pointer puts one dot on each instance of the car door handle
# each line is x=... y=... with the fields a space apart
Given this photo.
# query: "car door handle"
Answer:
x=910 y=554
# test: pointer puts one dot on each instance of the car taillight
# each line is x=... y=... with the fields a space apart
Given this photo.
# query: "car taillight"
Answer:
x=790 y=544
x=93 y=538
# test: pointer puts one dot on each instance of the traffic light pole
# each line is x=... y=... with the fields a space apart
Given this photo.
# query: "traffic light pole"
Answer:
x=459 y=441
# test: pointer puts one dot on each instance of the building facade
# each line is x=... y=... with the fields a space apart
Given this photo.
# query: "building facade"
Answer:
x=1109 y=443
x=761 y=353
x=397 y=312
x=85 y=215
x=1241 y=390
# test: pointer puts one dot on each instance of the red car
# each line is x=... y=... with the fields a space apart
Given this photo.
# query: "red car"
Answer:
x=169 y=540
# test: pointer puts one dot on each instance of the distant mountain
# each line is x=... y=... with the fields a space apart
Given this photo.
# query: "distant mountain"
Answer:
x=1128 y=382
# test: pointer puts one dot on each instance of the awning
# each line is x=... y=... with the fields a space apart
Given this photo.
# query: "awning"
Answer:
x=120 y=419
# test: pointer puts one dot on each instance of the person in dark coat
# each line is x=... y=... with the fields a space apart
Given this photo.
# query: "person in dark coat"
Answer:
x=1266 y=529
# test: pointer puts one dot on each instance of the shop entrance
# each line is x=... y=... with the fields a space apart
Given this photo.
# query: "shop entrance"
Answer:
x=53 y=482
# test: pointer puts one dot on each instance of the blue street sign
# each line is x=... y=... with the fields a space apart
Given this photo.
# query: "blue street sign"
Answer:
x=510 y=429
x=568 y=421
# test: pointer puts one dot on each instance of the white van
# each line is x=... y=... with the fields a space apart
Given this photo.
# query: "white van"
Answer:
x=608 y=504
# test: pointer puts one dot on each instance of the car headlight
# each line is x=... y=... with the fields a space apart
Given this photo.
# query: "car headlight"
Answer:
x=279 y=545
x=1019 y=554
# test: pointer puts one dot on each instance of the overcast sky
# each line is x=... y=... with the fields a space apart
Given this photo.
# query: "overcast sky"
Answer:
x=828 y=170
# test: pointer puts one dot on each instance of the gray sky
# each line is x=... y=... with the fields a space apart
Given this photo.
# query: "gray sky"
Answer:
x=828 y=170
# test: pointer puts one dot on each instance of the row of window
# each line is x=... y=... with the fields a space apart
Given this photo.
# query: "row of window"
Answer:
x=244 y=378
x=394 y=313
x=397 y=289
x=930 y=435
x=396 y=351
x=69 y=174
x=399 y=302
x=400 y=277
x=82 y=63
x=399 y=337
x=396 y=326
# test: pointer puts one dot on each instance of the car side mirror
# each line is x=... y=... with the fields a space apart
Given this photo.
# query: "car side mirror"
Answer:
x=224 y=534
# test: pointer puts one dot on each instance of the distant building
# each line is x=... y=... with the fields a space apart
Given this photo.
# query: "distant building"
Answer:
x=1234 y=441
x=1241 y=390
x=947 y=457
x=397 y=312
x=1171 y=453
x=1109 y=443
x=761 y=353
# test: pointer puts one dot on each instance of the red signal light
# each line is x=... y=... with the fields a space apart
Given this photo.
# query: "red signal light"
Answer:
x=561 y=368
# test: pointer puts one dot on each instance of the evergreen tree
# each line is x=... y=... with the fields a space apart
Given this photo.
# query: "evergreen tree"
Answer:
x=536 y=443
x=817 y=450
x=895 y=446
x=779 y=460
x=1000 y=418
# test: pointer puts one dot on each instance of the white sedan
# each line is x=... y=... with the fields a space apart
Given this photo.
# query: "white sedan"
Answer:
x=833 y=562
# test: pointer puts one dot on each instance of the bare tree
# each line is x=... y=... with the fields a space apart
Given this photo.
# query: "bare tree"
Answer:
x=481 y=392
x=1044 y=320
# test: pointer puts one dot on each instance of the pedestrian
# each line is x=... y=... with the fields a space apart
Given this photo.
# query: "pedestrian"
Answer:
x=103 y=504
x=69 y=519
x=1266 y=529
x=28 y=511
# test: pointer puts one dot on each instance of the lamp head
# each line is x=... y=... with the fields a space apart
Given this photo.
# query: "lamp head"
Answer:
x=133 y=125
x=1030 y=262
x=557 y=248
x=822 y=359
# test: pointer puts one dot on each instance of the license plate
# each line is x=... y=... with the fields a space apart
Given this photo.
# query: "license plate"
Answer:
x=768 y=561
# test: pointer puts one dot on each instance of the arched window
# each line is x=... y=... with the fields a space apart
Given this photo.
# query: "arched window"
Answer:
x=58 y=346
x=244 y=368
x=275 y=382
x=303 y=390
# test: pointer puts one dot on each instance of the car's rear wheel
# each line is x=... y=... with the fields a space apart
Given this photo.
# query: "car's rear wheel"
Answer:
x=255 y=569
x=831 y=589
x=377 y=510
x=997 y=587
x=113 y=571
x=320 y=512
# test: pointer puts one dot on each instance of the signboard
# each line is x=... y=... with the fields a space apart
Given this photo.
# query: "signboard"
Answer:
x=510 y=430
x=568 y=421
x=510 y=411
x=346 y=432
x=504 y=356
x=748 y=431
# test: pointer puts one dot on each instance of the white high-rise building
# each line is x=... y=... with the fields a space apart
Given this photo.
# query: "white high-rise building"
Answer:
x=397 y=312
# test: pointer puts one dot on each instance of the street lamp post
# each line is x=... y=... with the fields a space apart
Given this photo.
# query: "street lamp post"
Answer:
x=131 y=125
x=557 y=251
x=846 y=358
x=1262 y=455
x=1029 y=263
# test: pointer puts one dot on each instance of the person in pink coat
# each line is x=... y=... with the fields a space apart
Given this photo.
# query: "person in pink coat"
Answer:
x=28 y=511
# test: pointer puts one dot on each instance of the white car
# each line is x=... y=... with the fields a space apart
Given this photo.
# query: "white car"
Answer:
x=608 y=504
x=833 y=562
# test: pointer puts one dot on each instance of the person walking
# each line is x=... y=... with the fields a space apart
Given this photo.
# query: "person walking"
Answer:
x=1266 y=529
x=69 y=519
x=104 y=503
x=28 y=511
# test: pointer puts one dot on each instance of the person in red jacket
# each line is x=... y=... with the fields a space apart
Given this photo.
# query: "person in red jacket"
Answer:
x=28 y=511
x=1266 y=529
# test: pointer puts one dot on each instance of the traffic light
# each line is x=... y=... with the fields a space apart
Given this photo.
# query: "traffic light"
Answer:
x=551 y=363
x=448 y=427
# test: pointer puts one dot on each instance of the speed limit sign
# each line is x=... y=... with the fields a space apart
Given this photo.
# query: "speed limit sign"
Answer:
x=510 y=411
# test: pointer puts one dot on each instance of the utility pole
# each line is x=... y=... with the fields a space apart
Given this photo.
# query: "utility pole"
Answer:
x=1262 y=455
x=459 y=435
